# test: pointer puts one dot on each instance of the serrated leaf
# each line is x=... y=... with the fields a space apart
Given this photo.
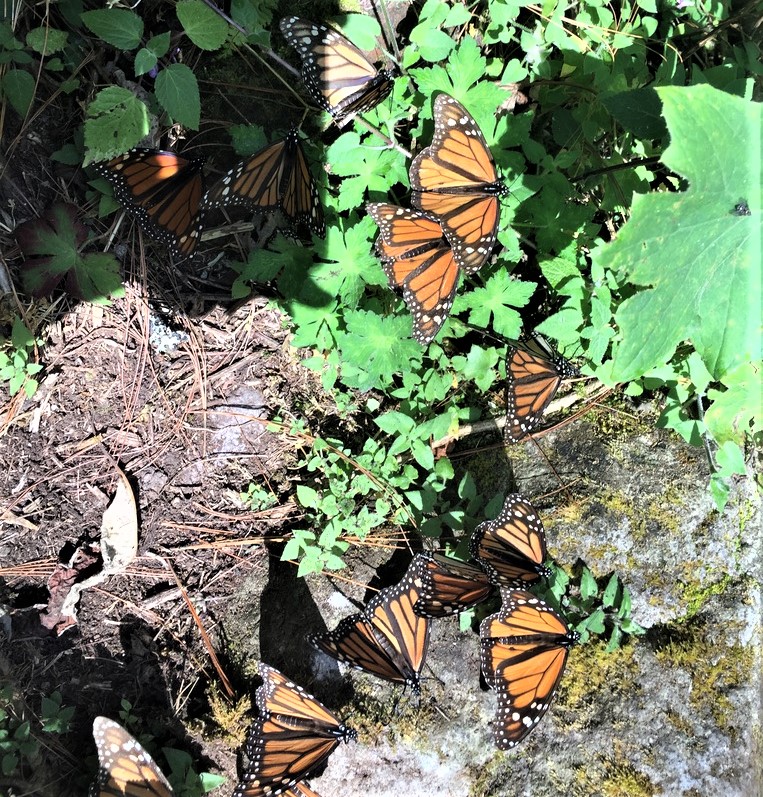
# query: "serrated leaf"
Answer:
x=735 y=413
x=498 y=299
x=145 y=61
x=117 y=121
x=639 y=111
x=178 y=92
x=698 y=260
x=116 y=26
x=205 y=28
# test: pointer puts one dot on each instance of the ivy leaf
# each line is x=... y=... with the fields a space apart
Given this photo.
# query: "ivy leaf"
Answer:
x=498 y=298
x=367 y=169
x=178 y=92
x=51 y=245
x=697 y=259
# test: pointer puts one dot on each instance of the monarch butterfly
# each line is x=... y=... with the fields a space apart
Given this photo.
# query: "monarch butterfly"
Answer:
x=163 y=191
x=276 y=177
x=524 y=650
x=293 y=735
x=455 y=179
x=336 y=73
x=388 y=639
x=512 y=548
x=534 y=371
x=126 y=769
x=416 y=257
x=448 y=585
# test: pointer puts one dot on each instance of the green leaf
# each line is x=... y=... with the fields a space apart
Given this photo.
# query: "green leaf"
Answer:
x=349 y=264
x=588 y=586
x=47 y=40
x=159 y=45
x=700 y=261
x=639 y=111
x=51 y=244
x=205 y=28
x=178 y=92
x=480 y=366
x=145 y=61
x=375 y=348
x=116 y=26
x=610 y=591
x=116 y=121
x=735 y=413
x=18 y=87
x=497 y=299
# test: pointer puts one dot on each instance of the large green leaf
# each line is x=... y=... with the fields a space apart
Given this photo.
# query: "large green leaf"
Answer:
x=699 y=257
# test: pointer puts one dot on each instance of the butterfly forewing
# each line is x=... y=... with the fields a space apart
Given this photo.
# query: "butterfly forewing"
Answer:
x=276 y=177
x=163 y=191
x=448 y=586
x=126 y=769
x=524 y=652
x=512 y=548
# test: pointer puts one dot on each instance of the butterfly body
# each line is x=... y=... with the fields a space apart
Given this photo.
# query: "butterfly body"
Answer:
x=163 y=191
x=293 y=736
x=336 y=73
x=512 y=548
x=388 y=639
x=534 y=371
x=277 y=177
x=524 y=650
x=455 y=180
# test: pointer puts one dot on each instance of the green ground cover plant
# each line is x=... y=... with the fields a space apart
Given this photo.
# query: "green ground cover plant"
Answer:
x=631 y=235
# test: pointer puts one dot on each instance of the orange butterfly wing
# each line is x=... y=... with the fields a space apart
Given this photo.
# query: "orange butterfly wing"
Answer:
x=447 y=585
x=524 y=652
x=455 y=179
x=415 y=256
x=275 y=177
x=533 y=375
x=335 y=72
x=387 y=639
x=512 y=548
x=294 y=734
x=126 y=769
x=163 y=191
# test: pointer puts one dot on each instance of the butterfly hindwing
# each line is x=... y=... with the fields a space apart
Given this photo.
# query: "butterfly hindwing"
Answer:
x=416 y=257
x=512 y=548
x=292 y=736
